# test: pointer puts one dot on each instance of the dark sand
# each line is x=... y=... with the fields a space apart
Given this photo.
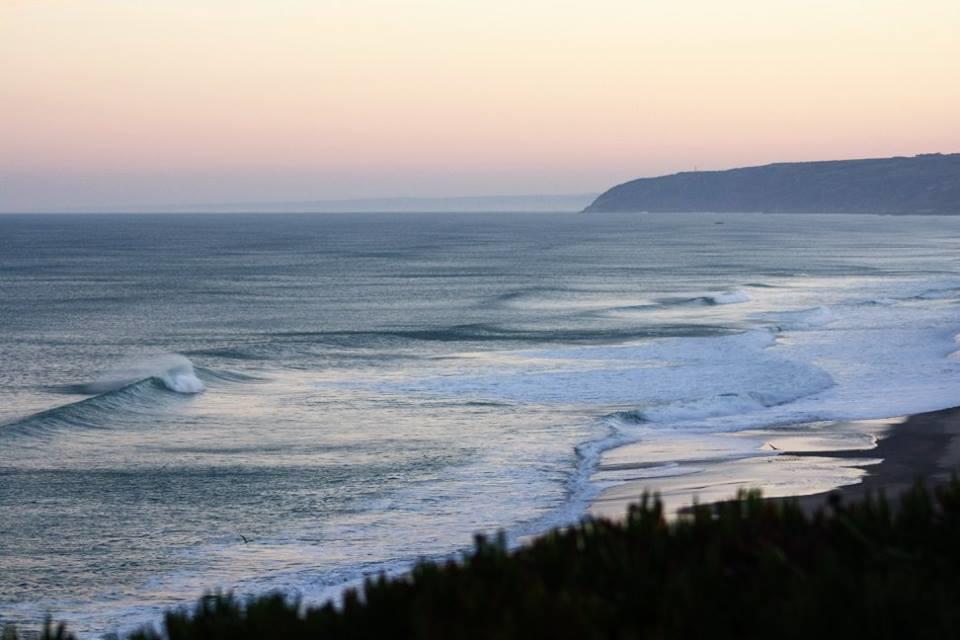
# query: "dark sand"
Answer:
x=924 y=447
x=806 y=461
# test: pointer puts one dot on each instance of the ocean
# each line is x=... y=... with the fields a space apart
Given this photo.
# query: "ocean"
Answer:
x=259 y=402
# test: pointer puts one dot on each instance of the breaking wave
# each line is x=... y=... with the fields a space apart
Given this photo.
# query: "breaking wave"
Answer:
x=127 y=392
x=173 y=371
x=132 y=401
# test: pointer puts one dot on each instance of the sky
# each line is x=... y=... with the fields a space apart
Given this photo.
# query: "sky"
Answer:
x=127 y=102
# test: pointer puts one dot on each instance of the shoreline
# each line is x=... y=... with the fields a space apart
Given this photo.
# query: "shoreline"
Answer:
x=808 y=462
x=922 y=446
x=885 y=454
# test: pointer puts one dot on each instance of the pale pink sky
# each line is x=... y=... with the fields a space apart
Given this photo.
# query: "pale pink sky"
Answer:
x=119 y=102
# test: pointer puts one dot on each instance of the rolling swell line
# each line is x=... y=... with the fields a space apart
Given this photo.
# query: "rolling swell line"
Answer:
x=134 y=400
x=92 y=413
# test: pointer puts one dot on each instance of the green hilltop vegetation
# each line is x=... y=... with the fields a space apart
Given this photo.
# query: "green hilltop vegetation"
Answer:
x=746 y=568
x=924 y=184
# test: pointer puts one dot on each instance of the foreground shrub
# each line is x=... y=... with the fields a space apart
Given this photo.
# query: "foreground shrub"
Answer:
x=746 y=568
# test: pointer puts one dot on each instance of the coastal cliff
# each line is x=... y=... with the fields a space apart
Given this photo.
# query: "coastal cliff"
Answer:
x=923 y=184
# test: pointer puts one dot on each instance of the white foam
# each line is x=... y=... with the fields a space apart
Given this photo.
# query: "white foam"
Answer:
x=848 y=360
x=664 y=381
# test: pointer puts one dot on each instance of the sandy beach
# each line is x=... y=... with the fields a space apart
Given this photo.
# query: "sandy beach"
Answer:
x=924 y=446
x=810 y=461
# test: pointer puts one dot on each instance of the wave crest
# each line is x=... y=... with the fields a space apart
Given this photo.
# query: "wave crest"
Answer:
x=175 y=372
x=129 y=403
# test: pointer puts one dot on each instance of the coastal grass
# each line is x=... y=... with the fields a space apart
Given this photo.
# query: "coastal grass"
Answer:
x=747 y=568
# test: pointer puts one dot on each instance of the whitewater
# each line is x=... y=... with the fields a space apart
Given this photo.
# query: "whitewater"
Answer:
x=294 y=402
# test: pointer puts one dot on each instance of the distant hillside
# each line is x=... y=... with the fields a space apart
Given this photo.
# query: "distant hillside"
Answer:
x=928 y=183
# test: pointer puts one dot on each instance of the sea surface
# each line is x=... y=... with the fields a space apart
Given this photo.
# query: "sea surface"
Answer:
x=260 y=402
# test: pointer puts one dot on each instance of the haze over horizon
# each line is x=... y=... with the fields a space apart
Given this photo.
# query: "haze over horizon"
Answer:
x=110 y=103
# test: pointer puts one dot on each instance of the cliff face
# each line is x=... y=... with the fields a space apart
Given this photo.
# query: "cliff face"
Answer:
x=927 y=183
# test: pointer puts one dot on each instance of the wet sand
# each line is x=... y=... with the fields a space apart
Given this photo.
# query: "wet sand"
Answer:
x=924 y=446
x=810 y=461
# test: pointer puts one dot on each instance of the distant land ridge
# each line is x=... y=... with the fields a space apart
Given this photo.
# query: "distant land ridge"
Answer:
x=923 y=184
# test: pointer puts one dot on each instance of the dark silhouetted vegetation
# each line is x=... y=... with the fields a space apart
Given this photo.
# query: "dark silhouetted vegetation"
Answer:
x=746 y=568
